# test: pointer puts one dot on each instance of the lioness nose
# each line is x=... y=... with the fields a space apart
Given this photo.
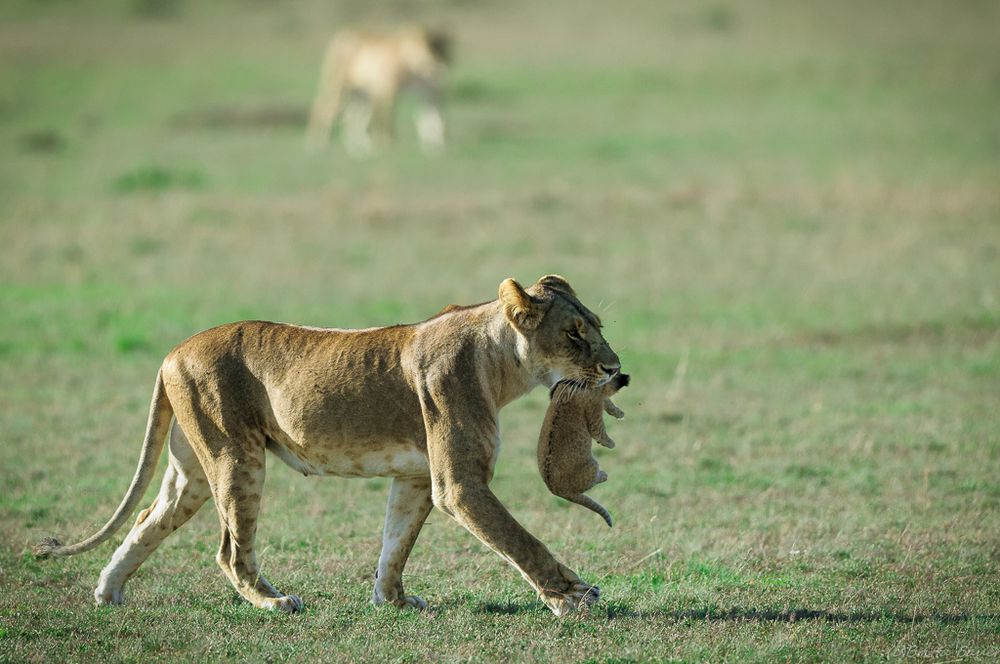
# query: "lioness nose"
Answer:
x=610 y=369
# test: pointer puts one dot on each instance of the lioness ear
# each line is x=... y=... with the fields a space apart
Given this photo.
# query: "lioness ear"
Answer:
x=556 y=283
x=523 y=312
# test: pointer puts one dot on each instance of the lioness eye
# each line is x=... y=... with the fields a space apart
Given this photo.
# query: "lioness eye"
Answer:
x=573 y=334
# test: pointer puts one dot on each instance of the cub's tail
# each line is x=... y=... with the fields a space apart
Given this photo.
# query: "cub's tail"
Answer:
x=591 y=504
x=160 y=412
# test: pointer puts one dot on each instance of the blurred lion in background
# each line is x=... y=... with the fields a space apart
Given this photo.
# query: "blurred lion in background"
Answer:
x=362 y=76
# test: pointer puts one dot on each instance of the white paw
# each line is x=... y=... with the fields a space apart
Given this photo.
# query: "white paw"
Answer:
x=286 y=604
x=108 y=596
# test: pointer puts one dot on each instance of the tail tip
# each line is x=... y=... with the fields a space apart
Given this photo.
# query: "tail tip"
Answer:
x=46 y=548
x=608 y=519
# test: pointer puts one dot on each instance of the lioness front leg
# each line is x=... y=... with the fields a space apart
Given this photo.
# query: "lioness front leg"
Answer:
x=462 y=443
x=408 y=507
x=460 y=470
x=472 y=504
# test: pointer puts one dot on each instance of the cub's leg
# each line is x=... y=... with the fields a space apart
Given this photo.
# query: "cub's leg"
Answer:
x=409 y=504
x=613 y=410
x=237 y=473
x=184 y=490
x=595 y=425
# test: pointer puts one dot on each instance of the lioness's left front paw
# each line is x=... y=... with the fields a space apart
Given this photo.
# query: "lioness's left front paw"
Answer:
x=285 y=604
x=411 y=602
x=399 y=601
x=580 y=595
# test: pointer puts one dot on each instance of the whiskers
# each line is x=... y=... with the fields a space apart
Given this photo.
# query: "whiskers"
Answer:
x=574 y=384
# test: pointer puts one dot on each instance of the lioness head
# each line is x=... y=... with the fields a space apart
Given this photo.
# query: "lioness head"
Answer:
x=425 y=51
x=564 y=340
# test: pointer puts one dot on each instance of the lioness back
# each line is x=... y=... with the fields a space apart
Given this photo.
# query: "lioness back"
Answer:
x=325 y=390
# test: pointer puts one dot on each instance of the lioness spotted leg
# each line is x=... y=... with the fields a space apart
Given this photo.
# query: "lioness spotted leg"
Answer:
x=409 y=504
x=183 y=491
x=460 y=489
x=237 y=483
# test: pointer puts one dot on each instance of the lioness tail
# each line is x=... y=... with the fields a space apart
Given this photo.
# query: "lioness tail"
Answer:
x=160 y=412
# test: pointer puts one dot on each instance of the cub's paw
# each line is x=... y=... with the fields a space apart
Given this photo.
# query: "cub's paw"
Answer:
x=607 y=442
x=286 y=604
x=614 y=411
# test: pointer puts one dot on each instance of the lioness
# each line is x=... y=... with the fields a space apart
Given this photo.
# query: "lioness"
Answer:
x=418 y=403
x=573 y=419
x=363 y=74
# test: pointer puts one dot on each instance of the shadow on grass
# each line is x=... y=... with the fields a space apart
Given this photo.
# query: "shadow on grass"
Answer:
x=615 y=610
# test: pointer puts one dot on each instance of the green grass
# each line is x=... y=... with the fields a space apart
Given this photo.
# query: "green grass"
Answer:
x=787 y=215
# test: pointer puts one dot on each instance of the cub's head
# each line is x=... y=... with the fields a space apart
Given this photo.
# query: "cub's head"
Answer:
x=615 y=384
x=563 y=338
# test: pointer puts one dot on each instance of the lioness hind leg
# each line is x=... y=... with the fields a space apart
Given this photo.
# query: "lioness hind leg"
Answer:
x=183 y=491
x=408 y=507
x=238 y=480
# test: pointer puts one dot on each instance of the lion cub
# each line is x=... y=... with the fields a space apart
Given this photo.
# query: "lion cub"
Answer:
x=574 y=418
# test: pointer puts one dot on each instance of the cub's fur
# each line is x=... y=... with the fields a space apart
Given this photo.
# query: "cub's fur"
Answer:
x=573 y=419
x=418 y=403
x=363 y=75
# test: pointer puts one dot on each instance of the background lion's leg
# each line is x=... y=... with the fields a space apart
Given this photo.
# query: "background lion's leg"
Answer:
x=408 y=507
x=382 y=127
x=430 y=123
x=183 y=491
x=237 y=482
x=324 y=112
x=357 y=118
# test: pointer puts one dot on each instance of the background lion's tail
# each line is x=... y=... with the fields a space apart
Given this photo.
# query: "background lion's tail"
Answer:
x=591 y=504
x=160 y=412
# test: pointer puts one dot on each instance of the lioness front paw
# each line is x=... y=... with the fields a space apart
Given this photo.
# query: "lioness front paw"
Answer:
x=411 y=602
x=399 y=601
x=109 y=597
x=579 y=596
x=286 y=604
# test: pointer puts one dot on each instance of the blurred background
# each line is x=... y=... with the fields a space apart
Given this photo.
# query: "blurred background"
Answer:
x=787 y=214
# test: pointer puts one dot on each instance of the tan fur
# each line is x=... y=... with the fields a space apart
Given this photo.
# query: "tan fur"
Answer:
x=363 y=75
x=573 y=419
x=415 y=402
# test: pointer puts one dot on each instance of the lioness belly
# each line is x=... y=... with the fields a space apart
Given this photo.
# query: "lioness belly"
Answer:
x=374 y=458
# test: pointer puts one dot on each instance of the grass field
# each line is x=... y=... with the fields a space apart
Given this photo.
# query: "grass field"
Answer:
x=787 y=213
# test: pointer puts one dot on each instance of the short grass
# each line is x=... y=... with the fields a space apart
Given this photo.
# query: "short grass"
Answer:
x=788 y=214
